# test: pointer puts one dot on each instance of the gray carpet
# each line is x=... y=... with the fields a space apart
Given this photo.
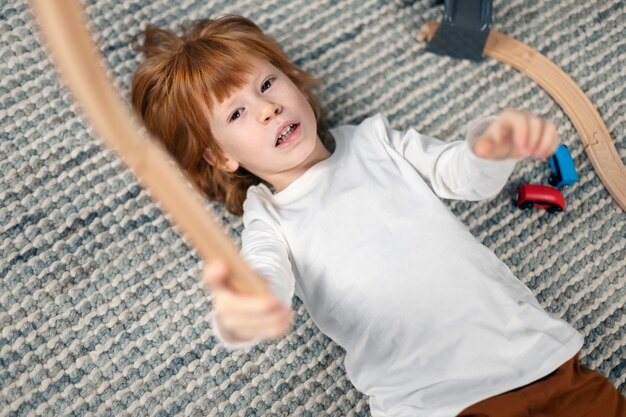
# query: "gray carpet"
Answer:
x=101 y=310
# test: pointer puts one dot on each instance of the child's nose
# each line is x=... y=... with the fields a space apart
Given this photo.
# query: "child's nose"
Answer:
x=269 y=111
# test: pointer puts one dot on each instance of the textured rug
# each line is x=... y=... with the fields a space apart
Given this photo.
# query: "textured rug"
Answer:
x=101 y=309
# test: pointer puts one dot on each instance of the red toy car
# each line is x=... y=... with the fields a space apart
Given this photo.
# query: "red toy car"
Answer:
x=540 y=196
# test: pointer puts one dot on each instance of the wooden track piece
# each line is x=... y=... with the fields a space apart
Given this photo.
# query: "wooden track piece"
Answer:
x=585 y=118
x=65 y=30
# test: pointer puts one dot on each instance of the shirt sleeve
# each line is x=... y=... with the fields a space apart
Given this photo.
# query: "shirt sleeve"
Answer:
x=452 y=169
x=267 y=254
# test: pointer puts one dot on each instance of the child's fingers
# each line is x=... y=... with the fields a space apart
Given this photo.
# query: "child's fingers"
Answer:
x=484 y=147
x=550 y=141
x=535 y=135
x=227 y=299
x=517 y=124
x=269 y=331
x=494 y=143
x=267 y=325
x=498 y=133
x=215 y=274
x=231 y=302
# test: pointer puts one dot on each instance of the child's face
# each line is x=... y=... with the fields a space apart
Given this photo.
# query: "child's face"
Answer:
x=249 y=127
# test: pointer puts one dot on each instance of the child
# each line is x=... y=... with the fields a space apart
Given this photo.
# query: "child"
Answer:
x=433 y=324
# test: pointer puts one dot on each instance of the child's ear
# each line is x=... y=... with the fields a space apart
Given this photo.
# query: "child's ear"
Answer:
x=229 y=165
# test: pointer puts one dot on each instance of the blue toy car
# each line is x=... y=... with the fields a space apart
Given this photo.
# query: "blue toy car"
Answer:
x=562 y=166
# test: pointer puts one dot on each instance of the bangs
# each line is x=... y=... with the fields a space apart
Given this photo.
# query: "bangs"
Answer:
x=214 y=69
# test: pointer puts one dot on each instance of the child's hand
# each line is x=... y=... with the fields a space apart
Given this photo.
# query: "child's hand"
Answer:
x=244 y=317
x=516 y=135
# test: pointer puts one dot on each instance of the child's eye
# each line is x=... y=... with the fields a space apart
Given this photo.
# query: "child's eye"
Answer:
x=267 y=84
x=236 y=114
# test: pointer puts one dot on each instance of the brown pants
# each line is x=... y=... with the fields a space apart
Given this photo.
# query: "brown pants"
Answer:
x=571 y=391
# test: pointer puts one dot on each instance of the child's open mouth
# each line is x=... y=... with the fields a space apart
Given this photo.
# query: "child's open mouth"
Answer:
x=288 y=135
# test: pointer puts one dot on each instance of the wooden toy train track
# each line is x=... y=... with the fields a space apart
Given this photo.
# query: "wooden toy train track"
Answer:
x=585 y=118
x=64 y=28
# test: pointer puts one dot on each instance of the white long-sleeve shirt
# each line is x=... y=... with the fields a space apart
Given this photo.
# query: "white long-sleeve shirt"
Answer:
x=430 y=319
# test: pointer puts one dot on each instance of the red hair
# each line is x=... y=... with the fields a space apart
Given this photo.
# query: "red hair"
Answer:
x=173 y=88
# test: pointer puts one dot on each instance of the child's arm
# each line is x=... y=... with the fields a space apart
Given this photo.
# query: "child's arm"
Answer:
x=243 y=320
x=478 y=167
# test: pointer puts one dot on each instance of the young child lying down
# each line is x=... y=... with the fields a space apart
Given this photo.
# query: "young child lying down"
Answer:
x=433 y=324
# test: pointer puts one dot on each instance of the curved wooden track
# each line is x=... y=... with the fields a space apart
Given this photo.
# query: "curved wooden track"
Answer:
x=585 y=118
x=64 y=28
